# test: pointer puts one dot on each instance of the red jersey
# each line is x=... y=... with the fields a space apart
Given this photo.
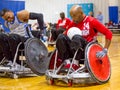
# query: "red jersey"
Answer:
x=63 y=23
x=90 y=27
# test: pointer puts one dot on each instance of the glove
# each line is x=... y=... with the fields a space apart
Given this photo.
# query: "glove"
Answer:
x=102 y=53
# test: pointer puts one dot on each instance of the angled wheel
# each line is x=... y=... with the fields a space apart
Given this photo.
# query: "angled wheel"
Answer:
x=99 y=69
x=36 y=55
x=54 y=55
x=1 y=54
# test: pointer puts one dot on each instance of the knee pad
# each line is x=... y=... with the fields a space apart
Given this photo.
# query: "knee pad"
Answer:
x=62 y=37
x=78 y=42
x=62 y=41
x=59 y=39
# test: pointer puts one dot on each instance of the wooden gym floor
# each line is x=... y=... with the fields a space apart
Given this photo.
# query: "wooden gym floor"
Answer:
x=39 y=82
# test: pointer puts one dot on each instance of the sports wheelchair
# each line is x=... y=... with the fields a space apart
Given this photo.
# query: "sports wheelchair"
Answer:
x=31 y=56
x=93 y=70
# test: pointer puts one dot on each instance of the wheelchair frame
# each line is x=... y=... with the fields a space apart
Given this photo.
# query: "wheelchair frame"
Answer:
x=12 y=70
x=88 y=73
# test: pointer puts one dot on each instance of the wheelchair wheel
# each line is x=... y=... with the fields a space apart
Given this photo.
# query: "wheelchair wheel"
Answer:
x=52 y=60
x=36 y=55
x=99 y=69
x=1 y=54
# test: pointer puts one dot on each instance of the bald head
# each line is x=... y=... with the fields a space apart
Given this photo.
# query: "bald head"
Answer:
x=76 y=13
x=76 y=8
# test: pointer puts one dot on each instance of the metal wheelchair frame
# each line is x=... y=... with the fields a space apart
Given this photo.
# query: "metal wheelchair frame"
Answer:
x=86 y=74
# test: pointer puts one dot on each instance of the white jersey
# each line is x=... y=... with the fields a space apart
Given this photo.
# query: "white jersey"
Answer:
x=17 y=27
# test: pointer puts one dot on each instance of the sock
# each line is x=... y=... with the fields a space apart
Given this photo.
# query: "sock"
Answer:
x=67 y=61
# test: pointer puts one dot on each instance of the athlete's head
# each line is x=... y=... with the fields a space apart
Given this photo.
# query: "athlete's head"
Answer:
x=76 y=13
x=7 y=15
x=62 y=15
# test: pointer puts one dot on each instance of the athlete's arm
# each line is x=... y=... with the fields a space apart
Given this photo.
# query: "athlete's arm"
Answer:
x=105 y=31
x=23 y=15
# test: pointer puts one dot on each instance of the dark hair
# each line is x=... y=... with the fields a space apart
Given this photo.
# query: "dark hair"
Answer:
x=62 y=13
x=3 y=11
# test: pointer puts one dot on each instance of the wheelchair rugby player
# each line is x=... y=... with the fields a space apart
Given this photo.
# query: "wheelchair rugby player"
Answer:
x=78 y=45
x=20 y=39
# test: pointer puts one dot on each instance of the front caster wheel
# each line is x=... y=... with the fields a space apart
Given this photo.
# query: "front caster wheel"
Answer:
x=51 y=81
x=70 y=83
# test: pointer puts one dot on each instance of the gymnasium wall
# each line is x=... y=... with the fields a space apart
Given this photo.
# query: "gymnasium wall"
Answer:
x=114 y=10
x=52 y=8
x=86 y=7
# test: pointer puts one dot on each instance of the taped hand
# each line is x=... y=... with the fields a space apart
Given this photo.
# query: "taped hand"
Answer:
x=102 y=53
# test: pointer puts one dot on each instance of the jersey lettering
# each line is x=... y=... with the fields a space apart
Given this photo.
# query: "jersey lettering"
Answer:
x=86 y=28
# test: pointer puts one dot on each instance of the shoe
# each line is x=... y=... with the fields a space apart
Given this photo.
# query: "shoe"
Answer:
x=75 y=67
x=18 y=66
x=66 y=67
x=7 y=63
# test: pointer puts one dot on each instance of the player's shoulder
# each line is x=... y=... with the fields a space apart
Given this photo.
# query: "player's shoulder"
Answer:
x=90 y=18
x=22 y=12
x=67 y=18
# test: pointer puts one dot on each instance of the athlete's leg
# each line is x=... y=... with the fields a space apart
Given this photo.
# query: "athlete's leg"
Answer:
x=14 y=40
x=39 y=17
x=78 y=42
x=5 y=46
x=63 y=46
